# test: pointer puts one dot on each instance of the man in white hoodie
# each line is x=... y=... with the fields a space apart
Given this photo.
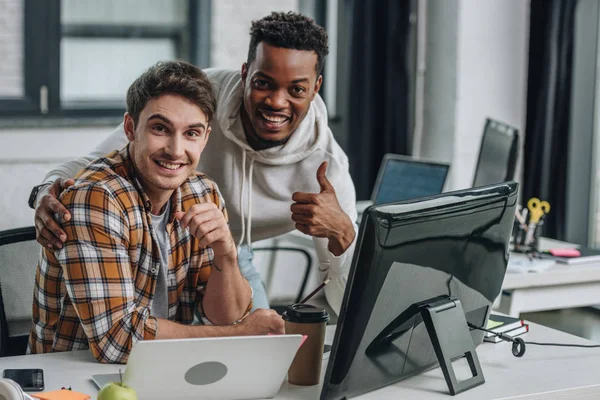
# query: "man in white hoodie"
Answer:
x=271 y=152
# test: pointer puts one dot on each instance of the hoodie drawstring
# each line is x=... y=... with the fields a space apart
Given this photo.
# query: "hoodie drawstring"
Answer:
x=246 y=228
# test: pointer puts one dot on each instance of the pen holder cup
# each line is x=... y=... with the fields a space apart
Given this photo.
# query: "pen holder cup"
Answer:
x=527 y=240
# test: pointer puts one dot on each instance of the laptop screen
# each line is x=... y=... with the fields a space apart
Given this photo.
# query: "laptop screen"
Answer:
x=403 y=179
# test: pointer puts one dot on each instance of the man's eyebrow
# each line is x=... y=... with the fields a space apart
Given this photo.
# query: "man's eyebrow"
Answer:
x=299 y=80
x=197 y=125
x=161 y=117
x=166 y=120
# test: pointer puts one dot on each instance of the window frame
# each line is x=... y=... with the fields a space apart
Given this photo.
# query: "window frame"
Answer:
x=43 y=31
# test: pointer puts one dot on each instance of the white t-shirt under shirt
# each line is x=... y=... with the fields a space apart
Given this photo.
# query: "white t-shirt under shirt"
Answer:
x=160 y=302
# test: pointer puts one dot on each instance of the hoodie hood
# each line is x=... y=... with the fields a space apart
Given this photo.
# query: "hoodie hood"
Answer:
x=307 y=138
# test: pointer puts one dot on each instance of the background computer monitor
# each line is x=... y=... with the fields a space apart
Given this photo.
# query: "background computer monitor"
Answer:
x=497 y=155
x=403 y=178
x=451 y=244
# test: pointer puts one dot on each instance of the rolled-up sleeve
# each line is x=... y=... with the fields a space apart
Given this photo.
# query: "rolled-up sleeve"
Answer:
x=98 y=274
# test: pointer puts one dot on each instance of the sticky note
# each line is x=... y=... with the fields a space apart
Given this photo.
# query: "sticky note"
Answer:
x=492 y=324
x=62 y=394
x=565 y=252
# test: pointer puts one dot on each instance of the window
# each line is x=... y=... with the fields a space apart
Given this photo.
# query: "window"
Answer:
x=78 y=57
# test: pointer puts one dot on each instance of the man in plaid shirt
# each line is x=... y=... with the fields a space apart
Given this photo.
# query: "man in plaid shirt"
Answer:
x=148 y=246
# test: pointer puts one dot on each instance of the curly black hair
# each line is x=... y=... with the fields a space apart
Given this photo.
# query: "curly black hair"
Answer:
x=291 y=31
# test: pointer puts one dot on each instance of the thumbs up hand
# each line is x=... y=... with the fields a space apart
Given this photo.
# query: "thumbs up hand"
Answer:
x=320 y=215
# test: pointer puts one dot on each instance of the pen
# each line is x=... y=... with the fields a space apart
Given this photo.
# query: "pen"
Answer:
x=521 y=220
x=530 y=232
x=321 y=286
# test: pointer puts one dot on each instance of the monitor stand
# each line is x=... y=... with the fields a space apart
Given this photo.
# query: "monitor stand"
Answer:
x=451 y=339
x=447 y=327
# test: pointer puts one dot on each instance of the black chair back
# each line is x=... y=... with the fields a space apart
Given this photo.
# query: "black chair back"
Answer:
x=19 y=254
x=498 y=154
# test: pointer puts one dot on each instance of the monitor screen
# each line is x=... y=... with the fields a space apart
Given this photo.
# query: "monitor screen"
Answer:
x=453 y=244
x=405 y=179
x=497 y=156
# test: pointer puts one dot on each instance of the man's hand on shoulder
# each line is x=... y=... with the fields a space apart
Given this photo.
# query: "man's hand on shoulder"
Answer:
x=262 y=322
x=207 y=223
x=320 y=215
x=48 y=231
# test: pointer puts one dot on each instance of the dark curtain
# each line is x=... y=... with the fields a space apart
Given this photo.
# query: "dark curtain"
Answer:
x=548 y=108
x=378 y=86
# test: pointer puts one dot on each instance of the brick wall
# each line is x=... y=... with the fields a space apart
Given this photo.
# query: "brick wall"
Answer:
x=11 y=48
x=230 y=27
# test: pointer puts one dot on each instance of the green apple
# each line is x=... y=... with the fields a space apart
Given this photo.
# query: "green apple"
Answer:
x=117 y=391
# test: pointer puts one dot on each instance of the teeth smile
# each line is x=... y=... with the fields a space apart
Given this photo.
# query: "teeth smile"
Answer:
x=276 y=120
x=168 y=166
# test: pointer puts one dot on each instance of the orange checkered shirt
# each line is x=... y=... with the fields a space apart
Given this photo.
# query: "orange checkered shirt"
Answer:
x=96 y=292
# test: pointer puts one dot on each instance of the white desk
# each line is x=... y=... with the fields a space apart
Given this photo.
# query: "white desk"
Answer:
x=542 y=369
x=557 y=287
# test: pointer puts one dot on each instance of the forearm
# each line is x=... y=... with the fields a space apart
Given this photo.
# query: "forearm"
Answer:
x=341 y=239
x=335 y=268
x=68 y=169
x=173 y=330
x=228 y=293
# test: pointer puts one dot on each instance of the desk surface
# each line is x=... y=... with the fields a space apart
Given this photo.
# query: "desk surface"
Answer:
x=542 y=369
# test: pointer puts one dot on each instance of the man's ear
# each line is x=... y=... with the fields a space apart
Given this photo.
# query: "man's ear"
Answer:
x=318 y=83
x=244 y=74
x=129 y=127
x=207 y=135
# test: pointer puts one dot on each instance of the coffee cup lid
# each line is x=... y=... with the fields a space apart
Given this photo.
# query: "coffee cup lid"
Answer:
x=305 y=313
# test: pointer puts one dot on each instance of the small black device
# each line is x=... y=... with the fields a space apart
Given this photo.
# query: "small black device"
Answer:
x=30 y=380
x=34 y=192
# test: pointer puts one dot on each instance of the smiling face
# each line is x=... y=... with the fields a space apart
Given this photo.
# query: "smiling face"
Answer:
x=166 y=144
x=279 y=86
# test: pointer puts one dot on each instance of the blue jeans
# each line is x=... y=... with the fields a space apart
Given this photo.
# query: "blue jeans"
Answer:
x=245 y=256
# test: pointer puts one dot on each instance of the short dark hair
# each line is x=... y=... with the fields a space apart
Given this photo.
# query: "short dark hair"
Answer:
x=291 y=31
x=171 y=77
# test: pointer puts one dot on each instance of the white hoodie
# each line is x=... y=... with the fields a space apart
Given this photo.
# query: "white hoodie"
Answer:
x=271 y=175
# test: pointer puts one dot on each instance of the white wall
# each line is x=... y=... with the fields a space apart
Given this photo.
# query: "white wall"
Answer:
x=26 y=155
x=230 y=29
x=489 y=66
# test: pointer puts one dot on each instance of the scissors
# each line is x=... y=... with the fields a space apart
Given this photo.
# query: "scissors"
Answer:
x=537 y=208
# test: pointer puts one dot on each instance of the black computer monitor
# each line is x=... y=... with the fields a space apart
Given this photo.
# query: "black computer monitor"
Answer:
x=497 y=155
x=453 y=245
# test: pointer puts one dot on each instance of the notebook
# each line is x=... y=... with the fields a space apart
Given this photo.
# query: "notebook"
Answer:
x=502 y=323
x=586 y=256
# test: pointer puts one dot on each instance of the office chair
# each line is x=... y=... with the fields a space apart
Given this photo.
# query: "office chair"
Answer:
x=19 y=254
x=498 y=154
x=280 y=308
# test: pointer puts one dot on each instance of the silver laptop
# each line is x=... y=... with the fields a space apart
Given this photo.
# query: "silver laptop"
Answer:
x=245 y=367
x=403 y=178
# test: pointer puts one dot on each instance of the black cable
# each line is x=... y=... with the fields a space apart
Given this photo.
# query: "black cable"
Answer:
x=588 y=346
x=518 y=344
